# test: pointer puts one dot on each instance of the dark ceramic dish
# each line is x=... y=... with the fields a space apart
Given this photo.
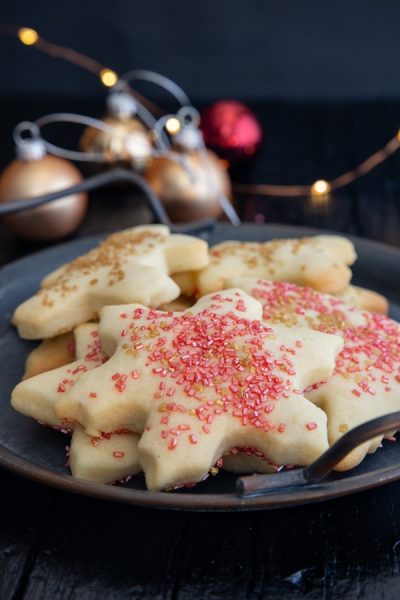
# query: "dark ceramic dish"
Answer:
x=38 y=453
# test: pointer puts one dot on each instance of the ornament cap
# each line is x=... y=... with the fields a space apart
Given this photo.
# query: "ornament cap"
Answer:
x=188 y=138
x=29 y=148
x=121 y=105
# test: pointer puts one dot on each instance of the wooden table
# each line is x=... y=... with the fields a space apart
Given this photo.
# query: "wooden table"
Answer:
x=60 y=546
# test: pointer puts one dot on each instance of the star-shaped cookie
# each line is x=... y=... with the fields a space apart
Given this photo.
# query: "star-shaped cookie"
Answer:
x=36 y=396
x=109 y=458
x=106 y=458
x=129 y=266
x=202 y=381
x=366 y=381
x=320 y=262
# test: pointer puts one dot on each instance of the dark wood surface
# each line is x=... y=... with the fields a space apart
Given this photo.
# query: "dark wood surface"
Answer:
x=56 y=545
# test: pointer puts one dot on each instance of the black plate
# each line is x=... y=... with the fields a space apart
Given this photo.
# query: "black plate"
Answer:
x=38 y=453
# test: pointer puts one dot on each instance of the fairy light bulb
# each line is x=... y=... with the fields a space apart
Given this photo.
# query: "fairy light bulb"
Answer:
x=28 y=36
x=320 y=188
x=108 y=77
x=173 y=125
x=320 y=194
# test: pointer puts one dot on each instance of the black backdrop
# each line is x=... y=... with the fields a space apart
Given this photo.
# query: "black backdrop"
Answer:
x=292 y=49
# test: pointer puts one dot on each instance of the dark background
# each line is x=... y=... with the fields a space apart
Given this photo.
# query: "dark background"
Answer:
x=255 y=49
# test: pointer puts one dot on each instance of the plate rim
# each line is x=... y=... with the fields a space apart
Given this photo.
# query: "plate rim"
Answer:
x=214 y=502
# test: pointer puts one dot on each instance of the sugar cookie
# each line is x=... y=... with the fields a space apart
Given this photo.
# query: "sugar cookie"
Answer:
x=104 y=459
x=366 y=381
x=50 y=354
x=35 y=397
x=320 y=262
x=129 y=266
x=202 y=381
x=365 y=299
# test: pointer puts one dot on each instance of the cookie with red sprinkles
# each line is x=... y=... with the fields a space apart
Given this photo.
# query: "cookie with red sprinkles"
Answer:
x=321 y=262
x=36 y=396
x=106 y=458
x=366 y=380
x=130 y=266
x=199 y=382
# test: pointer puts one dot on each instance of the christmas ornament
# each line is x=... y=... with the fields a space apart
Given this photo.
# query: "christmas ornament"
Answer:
x=231 y=129
x=128 y=142
x=219 y=130
x=35 y=173
x=190 y=185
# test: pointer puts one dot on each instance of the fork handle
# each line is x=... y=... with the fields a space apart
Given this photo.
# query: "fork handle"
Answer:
x=320 y=468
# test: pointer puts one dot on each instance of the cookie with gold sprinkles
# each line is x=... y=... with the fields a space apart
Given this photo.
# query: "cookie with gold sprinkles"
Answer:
x=365 y=299
x=321 y=262
x=366 y=380
x=129 y=266
x=200 y=382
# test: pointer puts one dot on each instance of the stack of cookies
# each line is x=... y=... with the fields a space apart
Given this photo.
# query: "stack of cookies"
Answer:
x=164 y=356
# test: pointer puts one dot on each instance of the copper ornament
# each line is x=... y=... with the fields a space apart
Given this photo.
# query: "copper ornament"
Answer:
x=128 y=144
x=189 y=193
x=26 y=179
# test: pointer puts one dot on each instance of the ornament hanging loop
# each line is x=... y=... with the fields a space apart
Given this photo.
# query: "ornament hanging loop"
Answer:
x=31 y=147
x=157 y=79
x=189 y=116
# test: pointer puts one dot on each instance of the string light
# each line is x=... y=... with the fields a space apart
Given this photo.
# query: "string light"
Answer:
x=28 y=36
x=108 y=77
x=298 y=191
x=319 y=189
x=173 y=125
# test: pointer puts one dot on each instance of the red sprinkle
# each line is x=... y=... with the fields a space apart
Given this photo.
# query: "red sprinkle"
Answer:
x=173 y=443
x=312 y=425
x=118 y=454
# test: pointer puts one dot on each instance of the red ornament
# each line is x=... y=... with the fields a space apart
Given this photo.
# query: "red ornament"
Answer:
x=231 y=129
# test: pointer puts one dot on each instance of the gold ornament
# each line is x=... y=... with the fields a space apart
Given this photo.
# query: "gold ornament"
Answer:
x=189 y=192
x=127 y=144
x=25 y=179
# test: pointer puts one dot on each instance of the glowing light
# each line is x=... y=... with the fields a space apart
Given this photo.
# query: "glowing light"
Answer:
x=108 y=77
x=320 y=188
x=28 y=36
x=173 y=125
